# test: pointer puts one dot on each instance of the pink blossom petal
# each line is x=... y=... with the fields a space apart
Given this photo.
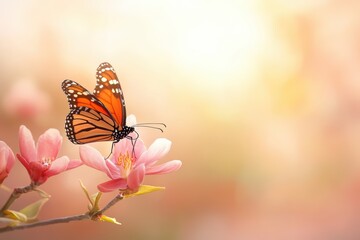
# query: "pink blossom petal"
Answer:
x=11 y=160
x=93 y=158
x=57 y=166
x=3 y=175
x=74 y=163
x=24 y=162
x=112 y=185
x=114 y=171
x=7 y=158
x=37 y=172
x=121 y=148
x=157 y=150
x=3 y=159
x=125 y=146
x=136 y=177
x=164 y=168
x=140 y=148
x=49 y=144
x=27 y=144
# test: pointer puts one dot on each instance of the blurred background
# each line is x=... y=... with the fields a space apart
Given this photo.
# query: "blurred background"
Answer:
x=261 y=99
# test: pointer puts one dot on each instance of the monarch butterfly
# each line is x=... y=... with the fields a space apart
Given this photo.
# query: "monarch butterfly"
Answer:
x=97 y=116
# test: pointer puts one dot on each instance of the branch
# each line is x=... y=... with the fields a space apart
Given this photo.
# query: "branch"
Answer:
x=15 y=195
x=93 y=216
x=46 y=222
x=109 y=205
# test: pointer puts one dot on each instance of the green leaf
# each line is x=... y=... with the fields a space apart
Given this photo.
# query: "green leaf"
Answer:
x=15 y=215
x=93 y=199
x=144 y=189
x=32 y=211
x=86 y=193
x=96 y=201
x=105 y=218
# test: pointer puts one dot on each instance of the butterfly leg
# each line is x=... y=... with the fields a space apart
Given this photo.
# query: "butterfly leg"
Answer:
x=133 y=142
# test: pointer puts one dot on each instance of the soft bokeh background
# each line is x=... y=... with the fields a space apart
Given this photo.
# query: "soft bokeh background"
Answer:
x=261 y=99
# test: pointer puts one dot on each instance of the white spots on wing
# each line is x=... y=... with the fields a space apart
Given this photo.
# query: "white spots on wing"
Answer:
x=101 y=86
x=71 y=91
x=113 y=90
x=103 y=79
x=113 y=82
x=86 y=93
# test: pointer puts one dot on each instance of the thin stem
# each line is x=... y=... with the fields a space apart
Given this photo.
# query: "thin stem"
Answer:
x=116 y=199
x=15 y=195
x=88 y=215
x=46 y=222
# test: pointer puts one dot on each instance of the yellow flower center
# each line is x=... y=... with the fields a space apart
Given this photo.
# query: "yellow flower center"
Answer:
x=125 y=162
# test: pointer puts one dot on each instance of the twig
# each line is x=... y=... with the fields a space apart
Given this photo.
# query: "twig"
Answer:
x=15 y=195
x=88 y=215
x=46 y=222
x=109 y=205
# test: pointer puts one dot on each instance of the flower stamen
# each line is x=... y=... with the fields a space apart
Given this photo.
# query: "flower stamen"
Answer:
x=125 y=162
x=46 y=161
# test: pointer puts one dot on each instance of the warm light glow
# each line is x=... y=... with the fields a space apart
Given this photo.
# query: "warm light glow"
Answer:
x=220 y=44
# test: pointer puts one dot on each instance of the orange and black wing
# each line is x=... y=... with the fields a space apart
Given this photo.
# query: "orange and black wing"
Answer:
x=109 y=92
x=78 y=96
x=89 y=120
x=86 y=125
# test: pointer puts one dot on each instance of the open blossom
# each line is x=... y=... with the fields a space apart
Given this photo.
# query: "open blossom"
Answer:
x=41 y=160
x=7 y=160
x=129 y=164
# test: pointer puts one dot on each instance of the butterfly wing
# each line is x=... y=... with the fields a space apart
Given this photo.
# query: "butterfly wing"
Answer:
x=78 y=96
x=109 y=92
x=89 y=120
x=86 y=125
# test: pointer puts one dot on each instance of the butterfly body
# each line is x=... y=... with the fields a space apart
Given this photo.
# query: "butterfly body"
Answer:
x=97 y=116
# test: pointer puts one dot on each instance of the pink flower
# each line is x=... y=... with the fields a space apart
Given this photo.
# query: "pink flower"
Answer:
x=127 y=170
x=40 y=161
x=7 y=160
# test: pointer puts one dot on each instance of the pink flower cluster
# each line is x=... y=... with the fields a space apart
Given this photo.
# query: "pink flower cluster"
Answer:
x=126 y=167
x=41 y=160
x=129 y=164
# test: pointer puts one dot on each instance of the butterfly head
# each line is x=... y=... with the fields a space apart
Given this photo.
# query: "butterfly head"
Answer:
x=123 y=133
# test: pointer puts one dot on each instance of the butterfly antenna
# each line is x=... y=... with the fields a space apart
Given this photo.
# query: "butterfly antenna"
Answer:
x=149 y=125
